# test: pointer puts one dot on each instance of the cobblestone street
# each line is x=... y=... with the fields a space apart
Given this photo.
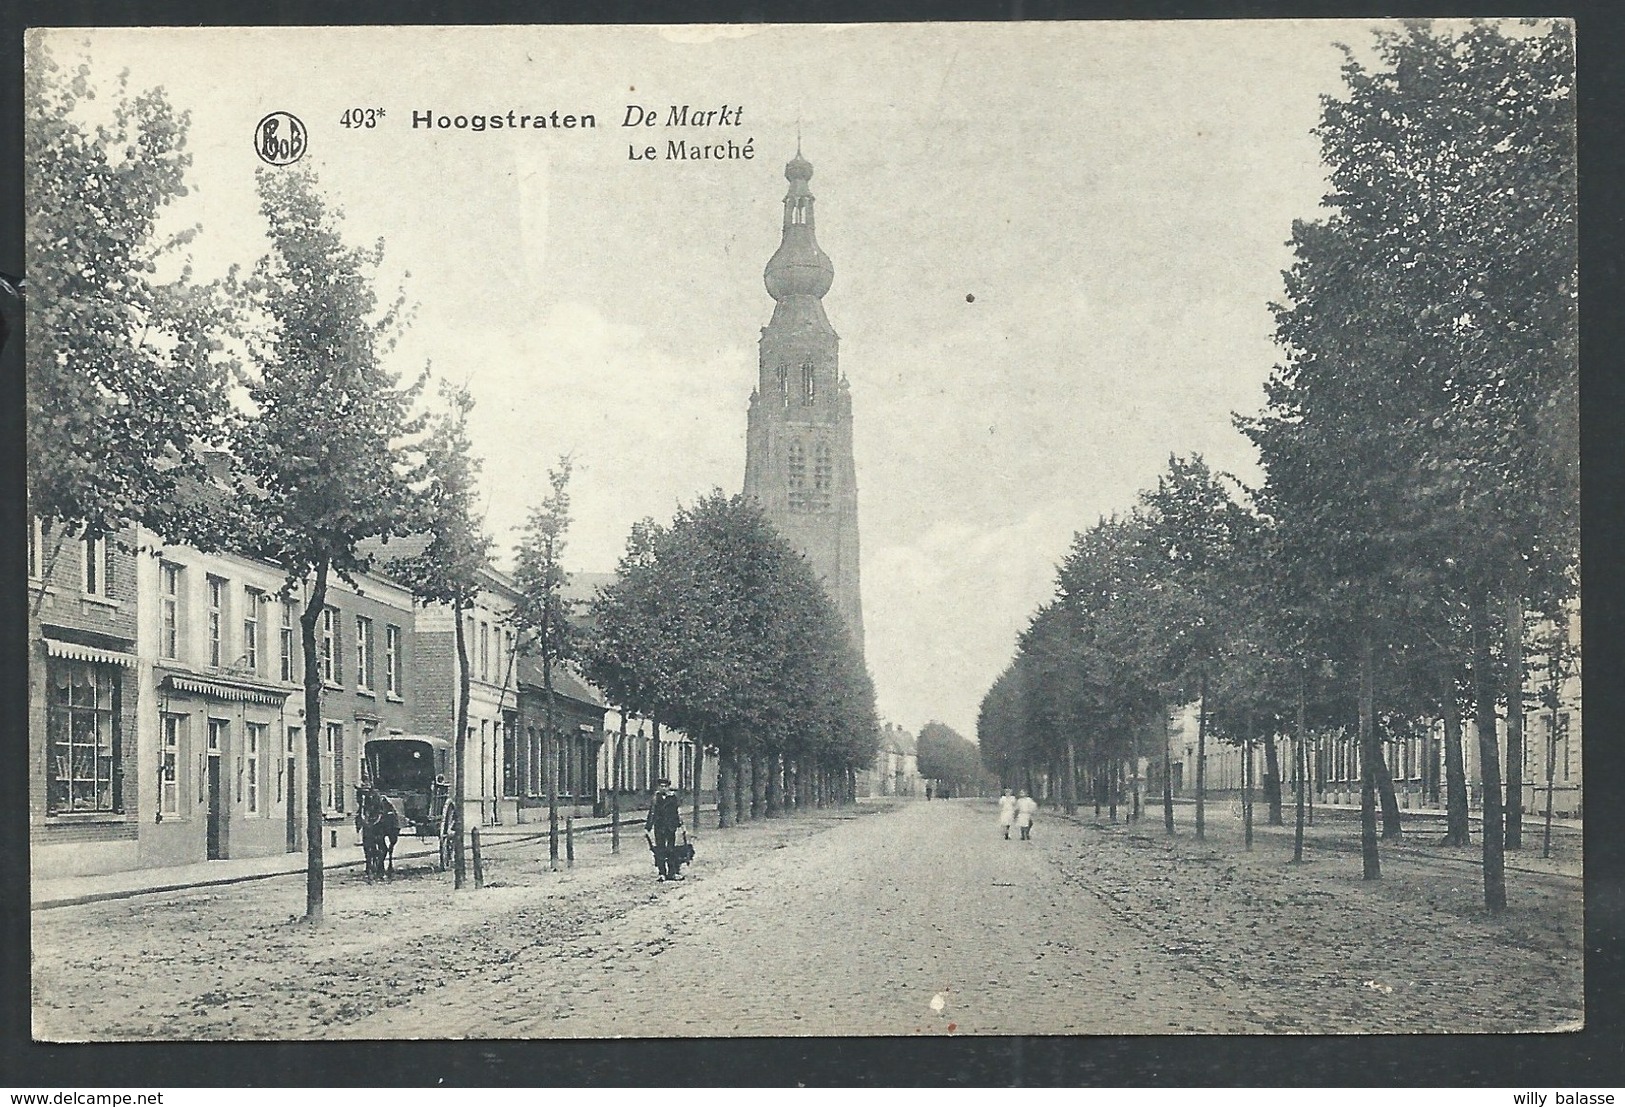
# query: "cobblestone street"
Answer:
x=910 y=919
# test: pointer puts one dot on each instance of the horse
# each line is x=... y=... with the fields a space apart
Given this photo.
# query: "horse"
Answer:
x=380 y=828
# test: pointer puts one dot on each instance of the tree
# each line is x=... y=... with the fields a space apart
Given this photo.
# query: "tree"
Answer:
x=716 y=626
x=323 y=459
x=1198 y=593
x=949 y=757
x=1423 y=425
x=448 y=568
x=543 y=616
x=127 y=371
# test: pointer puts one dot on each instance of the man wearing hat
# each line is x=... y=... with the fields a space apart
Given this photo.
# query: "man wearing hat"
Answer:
x=664 y=819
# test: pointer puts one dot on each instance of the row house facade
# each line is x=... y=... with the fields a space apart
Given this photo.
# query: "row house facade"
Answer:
x=167 y=708
x=1415 y=760
x=578 y=712
x=167 y=722
x=223 y=680
x=493 y=697
x=650 y=753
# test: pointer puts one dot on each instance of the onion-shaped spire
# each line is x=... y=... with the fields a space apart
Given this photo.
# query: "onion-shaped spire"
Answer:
x=798 y=267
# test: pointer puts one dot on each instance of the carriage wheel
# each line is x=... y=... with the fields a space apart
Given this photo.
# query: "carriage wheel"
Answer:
x=448 y=831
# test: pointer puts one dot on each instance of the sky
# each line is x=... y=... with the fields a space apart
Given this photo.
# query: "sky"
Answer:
x=1055 y=246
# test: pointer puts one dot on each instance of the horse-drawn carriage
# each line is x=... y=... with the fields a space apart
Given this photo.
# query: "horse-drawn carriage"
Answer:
x=404 y=789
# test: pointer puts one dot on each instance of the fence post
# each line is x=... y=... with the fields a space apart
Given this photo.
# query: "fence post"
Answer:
x=570 y=840
x=479 y=866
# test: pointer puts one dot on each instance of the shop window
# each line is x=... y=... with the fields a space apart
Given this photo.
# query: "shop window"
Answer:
x=83 y=738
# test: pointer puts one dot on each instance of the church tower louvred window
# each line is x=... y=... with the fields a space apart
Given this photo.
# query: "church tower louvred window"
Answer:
x=823 y=475
x=808 y=385
x=797 y=474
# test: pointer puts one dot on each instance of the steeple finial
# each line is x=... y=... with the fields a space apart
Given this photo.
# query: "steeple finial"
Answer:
x=799 y=267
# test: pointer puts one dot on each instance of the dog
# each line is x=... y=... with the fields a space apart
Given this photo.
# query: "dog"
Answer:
x=679 y=855
x=683 y=854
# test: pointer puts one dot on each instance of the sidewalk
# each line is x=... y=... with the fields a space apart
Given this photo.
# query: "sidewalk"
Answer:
x=1335 y=827
x=1227 y=800
x=67 y=891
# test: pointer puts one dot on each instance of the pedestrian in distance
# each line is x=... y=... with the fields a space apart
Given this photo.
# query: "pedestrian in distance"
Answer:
x=1007 y=812
x=928 y=793
x=665 y=818
x=1026 y=807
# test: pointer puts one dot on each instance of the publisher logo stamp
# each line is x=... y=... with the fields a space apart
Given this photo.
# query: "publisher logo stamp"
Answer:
x=280 y=139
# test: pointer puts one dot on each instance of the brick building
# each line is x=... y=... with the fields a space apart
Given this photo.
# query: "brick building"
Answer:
x=493 y=692
x=84 y=774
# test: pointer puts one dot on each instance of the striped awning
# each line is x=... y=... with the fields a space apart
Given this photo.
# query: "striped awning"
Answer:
x=220 y=690
x=75 y=652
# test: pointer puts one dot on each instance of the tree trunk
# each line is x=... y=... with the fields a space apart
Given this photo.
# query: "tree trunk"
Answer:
x=758 y=786
x=1167 y=772
x=1369 y=755
x=1489 y=758
x=741 y=805
x=459 y=791
x=773 y=800
x=725 y=781
x=698 y=779
x=1114 y=787
x=1515 y=738
x=550 y=751
x=1247 y=778
x=1135 y=809
x=1272 y=780
x=1455 y=766
x=1071 y=775
x=1301 y=759
x=615 y=748
x=1201 y=760
x=1385 y=792
x=1551 y=748
x=314 y=606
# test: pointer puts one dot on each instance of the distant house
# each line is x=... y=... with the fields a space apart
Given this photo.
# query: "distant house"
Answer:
x=896 y=769
x=1415 y=757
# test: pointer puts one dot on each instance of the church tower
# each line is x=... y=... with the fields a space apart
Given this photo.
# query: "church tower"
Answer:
x=798 y=445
